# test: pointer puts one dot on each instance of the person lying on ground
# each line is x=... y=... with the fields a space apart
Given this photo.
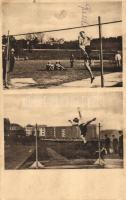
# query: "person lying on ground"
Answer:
x=58 y=66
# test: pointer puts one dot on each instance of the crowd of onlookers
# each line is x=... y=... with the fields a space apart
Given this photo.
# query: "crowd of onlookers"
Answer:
x=113 y=145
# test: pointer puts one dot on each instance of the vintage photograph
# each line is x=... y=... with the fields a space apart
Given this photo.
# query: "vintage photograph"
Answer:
x=62 y=100
x=62 y=45
x=63 y=131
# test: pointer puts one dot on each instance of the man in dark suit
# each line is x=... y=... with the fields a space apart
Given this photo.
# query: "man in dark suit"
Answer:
x=121 y=144
x=4 y=64
x=12 y=60
x=107 y=143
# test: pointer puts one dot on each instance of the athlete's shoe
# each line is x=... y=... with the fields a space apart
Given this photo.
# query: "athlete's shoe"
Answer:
x=92 y=79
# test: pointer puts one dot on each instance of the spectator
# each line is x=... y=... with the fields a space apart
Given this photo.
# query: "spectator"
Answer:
x=4 y=62
x=107 y=143
x=8 y=65
x=118 y=59
x=103 y=152
x=120 y=144
x=58 y=66
x=114 y=144
x=71 y=60
x=12 y=60
x=49 y=66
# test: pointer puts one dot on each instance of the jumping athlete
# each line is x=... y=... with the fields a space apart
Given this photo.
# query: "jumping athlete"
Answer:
x=84 y=44
x=82 y=126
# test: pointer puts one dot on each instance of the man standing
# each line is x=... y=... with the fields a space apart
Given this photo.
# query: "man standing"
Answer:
x=114 y=144
x=71 y=60
x=12 y=60
x=4 y=62
x=84 y=44
x=118 y=59
x=120 y=144
x=107 y=143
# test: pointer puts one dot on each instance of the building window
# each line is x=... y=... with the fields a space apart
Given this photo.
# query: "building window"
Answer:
x=28 y=132
x=63 y=132
x=42 y=131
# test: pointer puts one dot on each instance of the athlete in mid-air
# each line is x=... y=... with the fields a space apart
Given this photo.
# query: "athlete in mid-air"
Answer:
x=82 y=125
x=84 y=44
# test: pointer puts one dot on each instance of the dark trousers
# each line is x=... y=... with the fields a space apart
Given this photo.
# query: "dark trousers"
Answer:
x=4 y=70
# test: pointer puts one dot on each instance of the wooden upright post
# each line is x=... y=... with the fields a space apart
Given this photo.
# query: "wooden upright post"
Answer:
x=8 y=60
x=99 y=143
x=101 y=51
x=36 y=146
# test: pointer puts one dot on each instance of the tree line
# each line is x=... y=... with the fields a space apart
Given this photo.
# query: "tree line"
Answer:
x=111 y=43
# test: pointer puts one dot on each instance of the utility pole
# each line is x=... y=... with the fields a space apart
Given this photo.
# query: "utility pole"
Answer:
x=84 y=12
x=85 y=9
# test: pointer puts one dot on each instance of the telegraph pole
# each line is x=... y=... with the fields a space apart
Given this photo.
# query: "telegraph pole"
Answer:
x=85 y=9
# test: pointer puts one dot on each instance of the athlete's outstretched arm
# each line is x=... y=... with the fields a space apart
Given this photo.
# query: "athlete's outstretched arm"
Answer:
x=79 y=113
x=88 y=122
x=70 y=121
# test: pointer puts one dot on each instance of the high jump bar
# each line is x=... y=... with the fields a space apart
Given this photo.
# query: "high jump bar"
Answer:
x=64 y=29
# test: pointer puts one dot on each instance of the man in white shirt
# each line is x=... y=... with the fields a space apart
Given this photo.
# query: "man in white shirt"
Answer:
x=118 y=59
x=84 y=44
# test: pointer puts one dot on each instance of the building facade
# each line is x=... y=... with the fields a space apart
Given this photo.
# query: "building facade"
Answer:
x=60 y=132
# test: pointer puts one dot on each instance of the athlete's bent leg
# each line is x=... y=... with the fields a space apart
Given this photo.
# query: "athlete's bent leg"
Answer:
x=83 y=138
x=87 y=65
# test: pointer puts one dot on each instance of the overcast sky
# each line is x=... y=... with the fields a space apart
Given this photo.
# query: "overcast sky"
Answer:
x=29 y=17
x=57 y=109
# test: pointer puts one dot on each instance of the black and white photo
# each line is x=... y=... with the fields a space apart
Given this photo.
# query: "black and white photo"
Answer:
x=63 y=131
x=39 y=39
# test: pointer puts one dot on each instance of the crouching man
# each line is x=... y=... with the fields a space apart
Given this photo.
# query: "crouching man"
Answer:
x=49 y=66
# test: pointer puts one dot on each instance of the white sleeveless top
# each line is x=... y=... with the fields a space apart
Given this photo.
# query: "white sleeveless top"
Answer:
x=84 y=41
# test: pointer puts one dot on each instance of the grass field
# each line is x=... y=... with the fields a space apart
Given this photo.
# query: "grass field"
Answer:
x=56 y=155
x=36 y=69
x=16 y=154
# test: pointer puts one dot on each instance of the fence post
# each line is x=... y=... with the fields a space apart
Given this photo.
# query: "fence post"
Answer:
x=101 y=51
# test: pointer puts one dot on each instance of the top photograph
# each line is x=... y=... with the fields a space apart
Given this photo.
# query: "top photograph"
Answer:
x=62 y=45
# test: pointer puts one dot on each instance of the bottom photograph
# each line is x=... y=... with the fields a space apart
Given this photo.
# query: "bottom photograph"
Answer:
x=63 y=131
